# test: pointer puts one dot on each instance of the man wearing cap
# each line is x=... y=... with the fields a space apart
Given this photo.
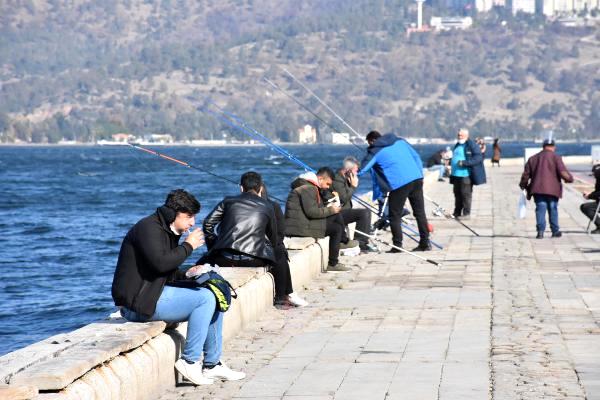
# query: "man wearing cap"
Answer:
x=542 y=180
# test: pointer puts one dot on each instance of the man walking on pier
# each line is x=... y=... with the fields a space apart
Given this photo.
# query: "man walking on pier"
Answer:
x=542 y=180
x=399 y=171
x=142 y=286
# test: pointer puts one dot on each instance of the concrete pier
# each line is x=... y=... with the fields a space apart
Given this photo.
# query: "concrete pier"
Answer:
x=505 y=317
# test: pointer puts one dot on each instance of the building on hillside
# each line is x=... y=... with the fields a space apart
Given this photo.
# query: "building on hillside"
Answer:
x=448 y=23
x=526 y=6
x=568 y=7
x=307 y=135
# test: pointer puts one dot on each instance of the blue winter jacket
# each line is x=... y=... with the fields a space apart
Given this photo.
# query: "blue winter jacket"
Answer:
x=394 y=162
x=474 y=161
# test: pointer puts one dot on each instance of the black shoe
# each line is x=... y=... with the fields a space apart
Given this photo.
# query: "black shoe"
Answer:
x=540 y=235
x=365 y=248
x=394 y=250
x=426 y=247
x=557 y=234
x=596 y=231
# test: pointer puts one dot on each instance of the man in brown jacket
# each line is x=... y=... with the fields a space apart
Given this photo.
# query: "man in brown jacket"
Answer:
x=542 y=180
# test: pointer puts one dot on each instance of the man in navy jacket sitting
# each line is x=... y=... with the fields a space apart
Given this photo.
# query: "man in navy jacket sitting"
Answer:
x=398 y=170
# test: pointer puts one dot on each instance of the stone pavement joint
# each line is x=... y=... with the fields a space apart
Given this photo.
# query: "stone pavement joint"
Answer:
x=505 y=317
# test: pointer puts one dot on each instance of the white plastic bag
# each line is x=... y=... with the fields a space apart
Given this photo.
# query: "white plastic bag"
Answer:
x=522 y=205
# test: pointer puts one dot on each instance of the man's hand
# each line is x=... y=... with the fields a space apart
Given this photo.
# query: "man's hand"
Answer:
x=461 y=163
x=586 y=196
x=335 y=209
x=353 y=180
x=195 y=270
x=195 y=238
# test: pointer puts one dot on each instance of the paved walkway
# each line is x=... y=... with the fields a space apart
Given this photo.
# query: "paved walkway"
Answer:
x=505 y=317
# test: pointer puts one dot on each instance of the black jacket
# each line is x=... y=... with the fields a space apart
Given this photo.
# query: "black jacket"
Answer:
x=305 y=212
x=344 y=189
x=149 y=258
x=243 y=224
x=595 y=195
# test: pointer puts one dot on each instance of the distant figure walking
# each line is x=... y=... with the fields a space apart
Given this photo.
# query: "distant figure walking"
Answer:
x=542 y=180
x=589 y=208
x=467 y=170
x=497 y=152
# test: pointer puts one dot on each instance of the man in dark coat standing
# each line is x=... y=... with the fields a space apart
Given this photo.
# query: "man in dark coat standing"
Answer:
x=589 y=208
x=145 y=286
x=467 y=170
x=542 y=180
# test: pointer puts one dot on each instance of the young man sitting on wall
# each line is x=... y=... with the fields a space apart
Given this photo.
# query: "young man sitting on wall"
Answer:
x=148 y=263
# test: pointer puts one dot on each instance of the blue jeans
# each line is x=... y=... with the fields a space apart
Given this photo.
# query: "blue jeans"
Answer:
x=440 y=168
x=545 y=202
x=197 y=307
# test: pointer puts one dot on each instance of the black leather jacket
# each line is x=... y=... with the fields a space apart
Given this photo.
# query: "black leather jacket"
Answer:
x=242 y=224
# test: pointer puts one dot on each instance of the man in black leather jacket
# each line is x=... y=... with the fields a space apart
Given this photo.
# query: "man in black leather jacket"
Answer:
x=241 y=230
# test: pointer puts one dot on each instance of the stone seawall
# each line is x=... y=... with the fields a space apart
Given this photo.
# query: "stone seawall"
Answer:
x=115 y=359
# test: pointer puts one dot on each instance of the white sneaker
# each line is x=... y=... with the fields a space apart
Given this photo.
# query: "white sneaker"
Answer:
x=223 y=372
x=296 y=300
x=192 y=372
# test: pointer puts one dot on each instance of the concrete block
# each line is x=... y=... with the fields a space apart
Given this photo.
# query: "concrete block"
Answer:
x=23 y=392
x=123 y=369
x=297 y=243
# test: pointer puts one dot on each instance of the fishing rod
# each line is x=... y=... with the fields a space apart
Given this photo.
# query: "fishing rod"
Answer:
x=185 y=164
x=438 y=207
x=441 y=210
x=274 y=85
x=255 y=134
x=375 y=238
x=322 y=102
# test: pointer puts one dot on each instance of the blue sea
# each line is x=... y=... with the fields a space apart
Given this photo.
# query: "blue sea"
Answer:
x=65 y=210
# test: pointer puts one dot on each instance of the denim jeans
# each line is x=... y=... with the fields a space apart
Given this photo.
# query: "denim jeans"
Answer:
x=545 y=202
x=197 y=307
x=440 y=168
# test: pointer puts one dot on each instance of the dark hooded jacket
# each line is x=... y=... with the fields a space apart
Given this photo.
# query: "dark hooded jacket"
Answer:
x=305 y=212
x=243 y=224
x=149 y=258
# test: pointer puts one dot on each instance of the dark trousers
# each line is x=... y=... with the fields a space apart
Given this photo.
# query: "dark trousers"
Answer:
x=281 y=273
x=362 y=217
x=227 y=262
x=463 y=193
x=336 y=230
x=397 y=199
x=589 y=209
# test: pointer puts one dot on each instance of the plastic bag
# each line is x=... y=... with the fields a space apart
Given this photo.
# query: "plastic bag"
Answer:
x=522 y=205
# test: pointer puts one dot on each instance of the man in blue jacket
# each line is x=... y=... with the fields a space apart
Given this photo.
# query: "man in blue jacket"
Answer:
x=467 y=170
x=398 y=170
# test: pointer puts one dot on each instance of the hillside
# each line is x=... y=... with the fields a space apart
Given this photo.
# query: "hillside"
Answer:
x=84 y=70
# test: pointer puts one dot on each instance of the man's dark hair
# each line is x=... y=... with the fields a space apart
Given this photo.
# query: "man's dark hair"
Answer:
x=326 y=171
x=251 y=181
x=373 y=136
x=182 y=202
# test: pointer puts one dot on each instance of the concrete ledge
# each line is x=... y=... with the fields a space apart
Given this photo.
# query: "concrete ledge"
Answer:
x=115 y=359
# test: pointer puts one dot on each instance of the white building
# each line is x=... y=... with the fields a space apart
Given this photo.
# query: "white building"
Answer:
x=526 y=6
x=567 y=7
x=340 y=138
x=308 y=134
x=447 y=23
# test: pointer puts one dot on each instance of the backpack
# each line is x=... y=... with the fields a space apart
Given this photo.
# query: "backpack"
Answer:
x=220 y=287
